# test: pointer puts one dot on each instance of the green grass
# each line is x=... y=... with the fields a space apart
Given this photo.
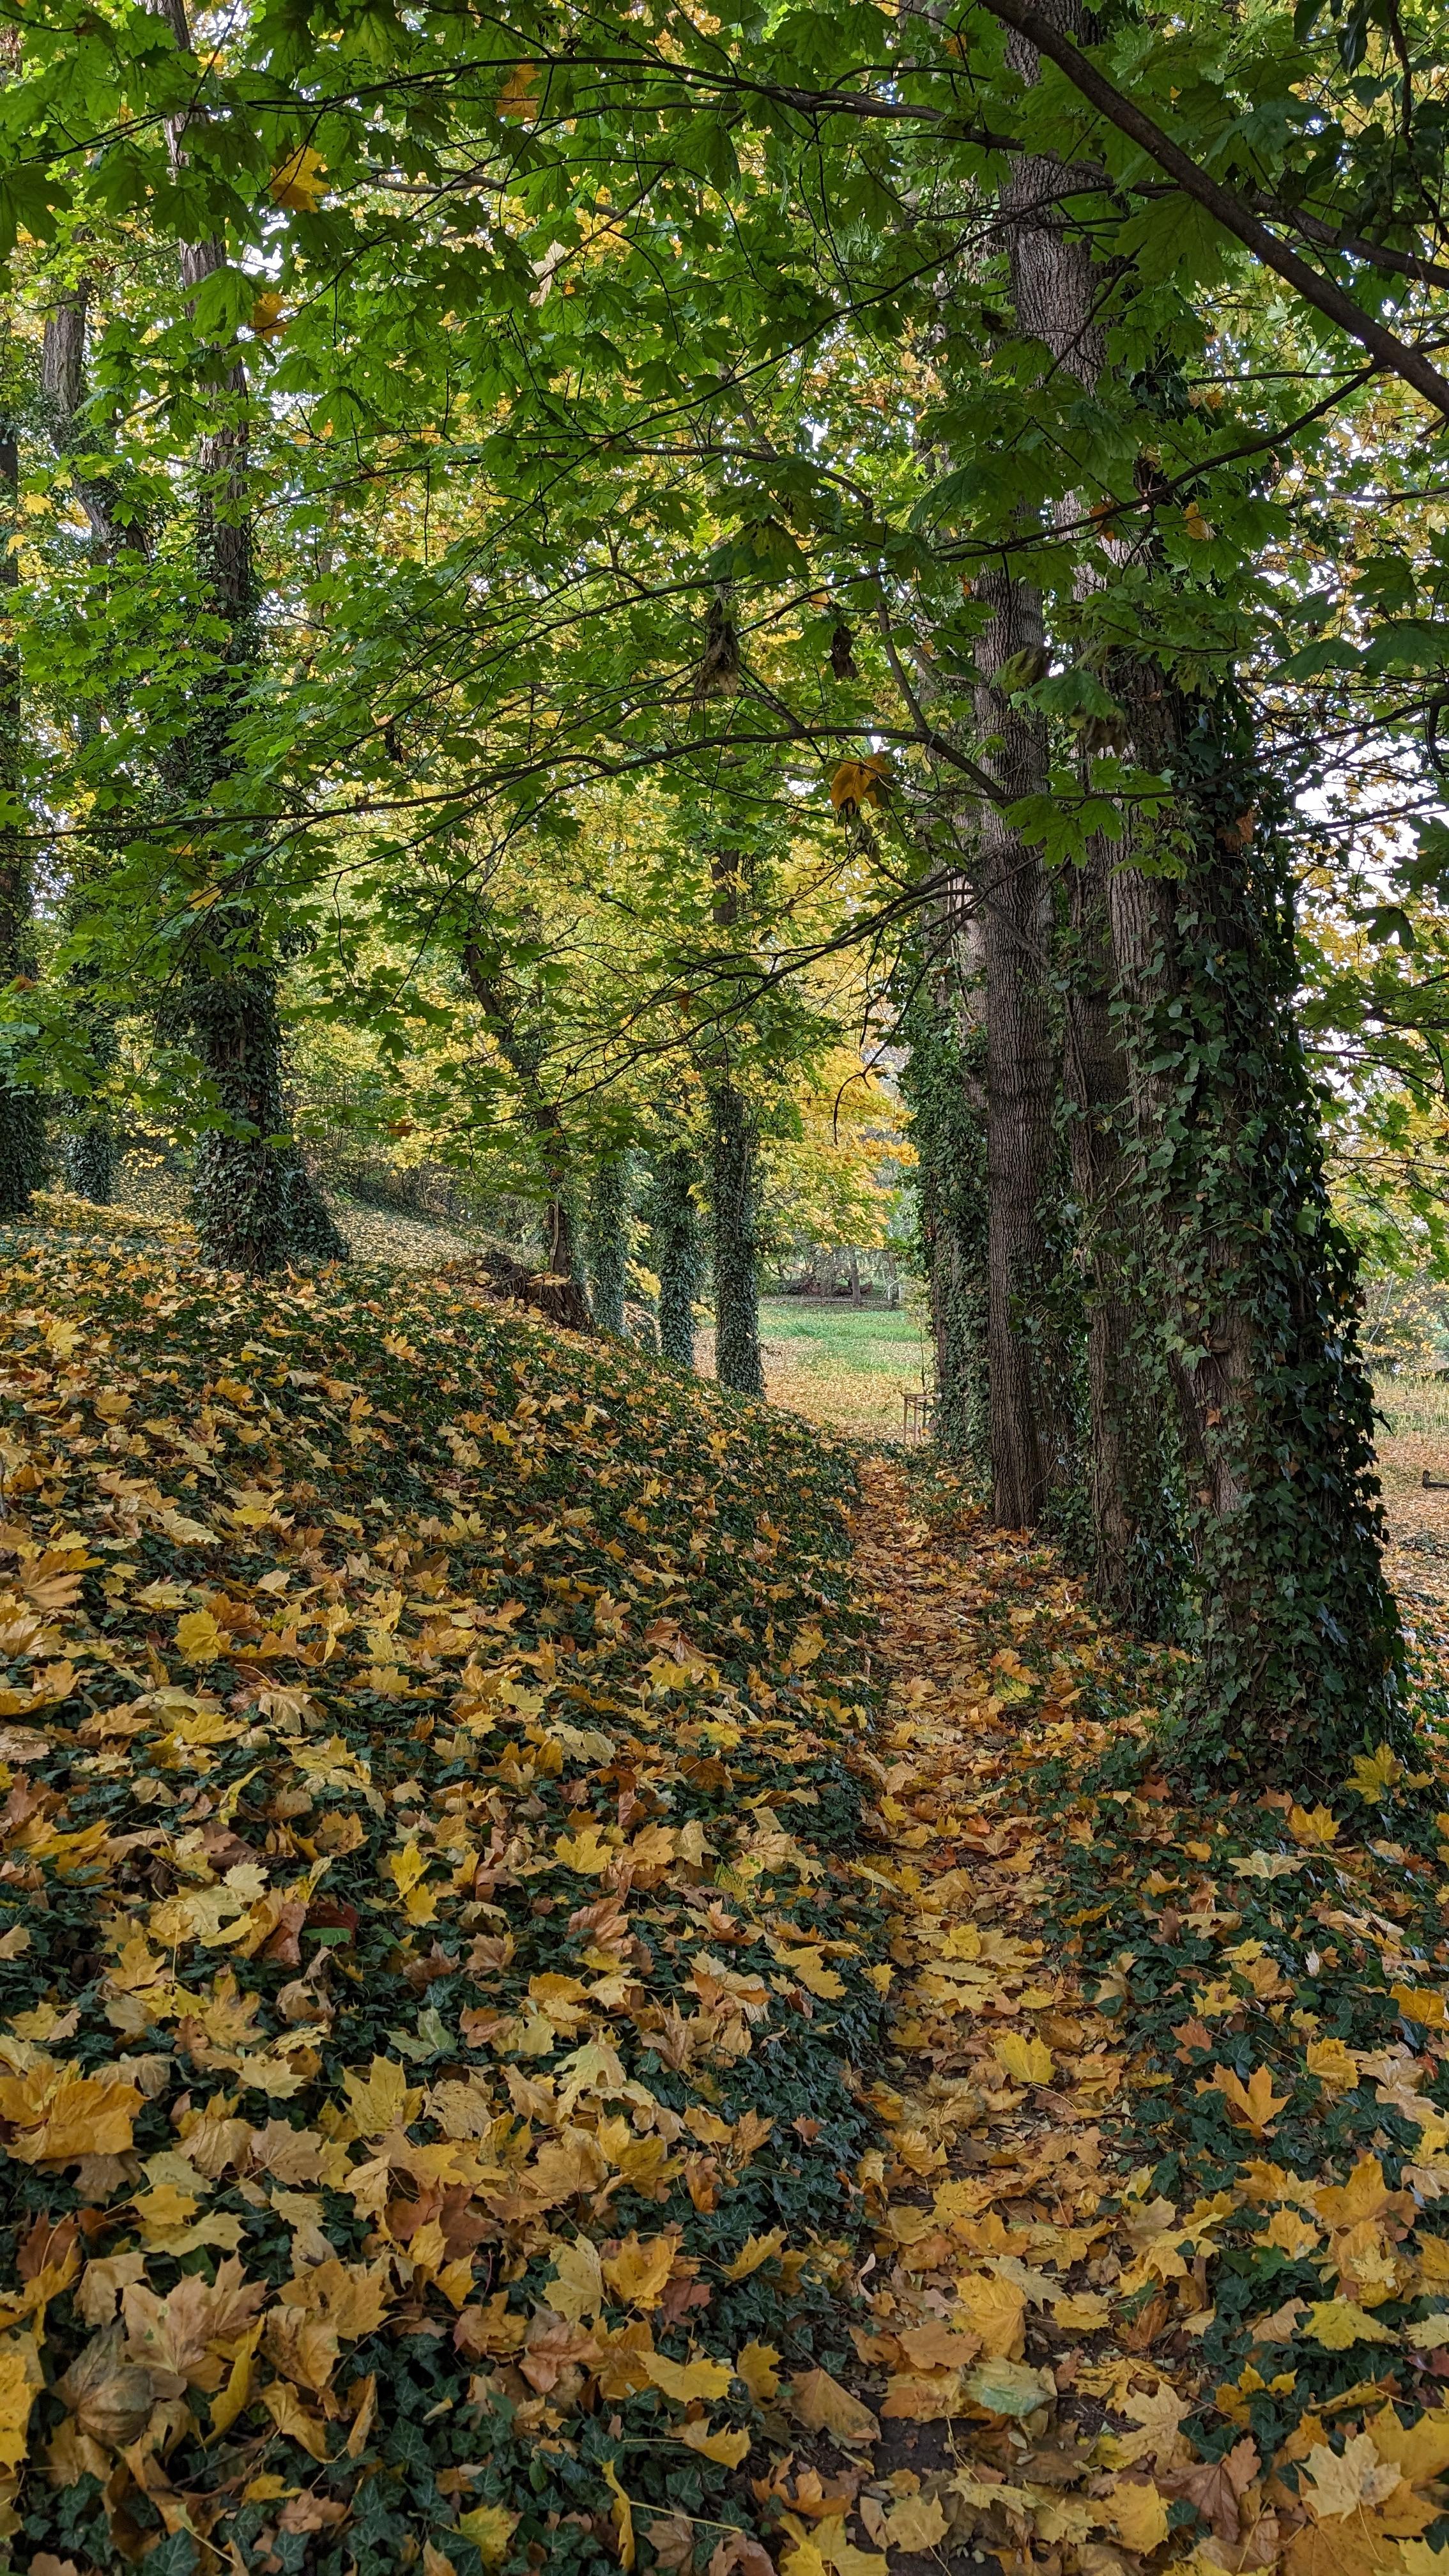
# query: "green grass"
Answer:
x=843 y=1365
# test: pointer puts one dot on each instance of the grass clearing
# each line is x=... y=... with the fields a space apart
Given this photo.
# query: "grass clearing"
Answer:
x=841 y=1366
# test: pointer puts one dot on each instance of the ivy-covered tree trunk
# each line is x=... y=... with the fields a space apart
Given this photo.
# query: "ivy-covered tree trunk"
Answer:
x=257 y=1207
x=1129 y=1449
x=608 y=1235
x=675 y=1253
x=1296 y=1643
x=734 y=1199
x=944 y=1083
x=21 y=1124
x=89 y=1147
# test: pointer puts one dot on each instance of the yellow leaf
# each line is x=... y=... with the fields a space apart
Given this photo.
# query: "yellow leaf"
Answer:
x=621 y=2516
x=809 y=1968
x=406 y=1867
x=83 y=2115
x=231 y=2401
x=820 y=2403
x=380 y=2099
x=1347 y=2482
x=1336 y=2323
x=1138 y=2513
x=490 y=2527
x=858 y=782
x=1083 y=2312
x=726 y=2448
x=828 y=2547
x=1195 y=524
x=1421 y=2450
x=199 y=1639
x=1375 y=1774
x=685 y=2380
x=1333 y=2064
x=298 y=183
x=17 y=2395
x=757 y=2367
x=1422 y=2004
x=576 y=2286
x=520 y=95
x=291 y=2417
x=637 y=2274
x=1254 y=2103
x=915 y=2522
x=1429 y=2334
x=1313 y=1827
x=583 y=1852
x=994 y=2311
x=754 y=2251
x=1027 y=2059
x=268 y=323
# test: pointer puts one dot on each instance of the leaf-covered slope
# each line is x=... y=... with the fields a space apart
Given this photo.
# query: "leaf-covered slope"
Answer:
x=429 y=1978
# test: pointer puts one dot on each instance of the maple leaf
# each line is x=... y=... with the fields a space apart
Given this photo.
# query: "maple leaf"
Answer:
x=1314 y=1827
x=621 y=2515
x=1138 y=2513
x=684 y=2381
x=1216 y=2486
x=820 y=2403
x=299 y=183
x=1345 y=2482
x=755 y=2251
x=1335 y=2324
x=19 y=2387
x=491 y=2527
x=1332 y=2063
x=1024 y=2056
x=1255 y=2103
x=520 y=96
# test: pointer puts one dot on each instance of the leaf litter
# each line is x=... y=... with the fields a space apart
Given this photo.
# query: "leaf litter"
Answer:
x=433 y=1966
x=508 y=2058
x=1161 y=2270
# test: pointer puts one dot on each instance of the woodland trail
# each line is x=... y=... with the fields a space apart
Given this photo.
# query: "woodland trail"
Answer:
x=980 y=2179
x=1110 y=2327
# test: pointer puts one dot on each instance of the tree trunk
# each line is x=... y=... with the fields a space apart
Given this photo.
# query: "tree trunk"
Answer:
x=257 y=1207
x=733 y=1210
x=1297 y=1648
x=21 y=1124
x=1033 y=1440
x=944 y=1082
x=1031 y=1444
x=609 y=1243
x=90 y=1151
x=1128 y=1475
x=674 y=1250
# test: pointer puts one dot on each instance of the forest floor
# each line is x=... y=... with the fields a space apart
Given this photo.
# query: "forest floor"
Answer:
x=579 y=1988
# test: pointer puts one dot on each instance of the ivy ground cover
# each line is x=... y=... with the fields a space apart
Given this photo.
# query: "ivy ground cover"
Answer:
x=433 y=1972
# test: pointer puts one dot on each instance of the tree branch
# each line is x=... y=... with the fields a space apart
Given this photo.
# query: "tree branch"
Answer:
x=1326 y=296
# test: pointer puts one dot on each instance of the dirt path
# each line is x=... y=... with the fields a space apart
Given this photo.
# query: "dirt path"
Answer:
x=991 y=2260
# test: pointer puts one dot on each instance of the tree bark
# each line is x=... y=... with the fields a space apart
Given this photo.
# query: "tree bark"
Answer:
x=733 y=1211
x=546 y=1120
x=257 y=1207
x=1033 y=1447
x=609 y=1243
x=674 y=1250
x=21 y=1129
